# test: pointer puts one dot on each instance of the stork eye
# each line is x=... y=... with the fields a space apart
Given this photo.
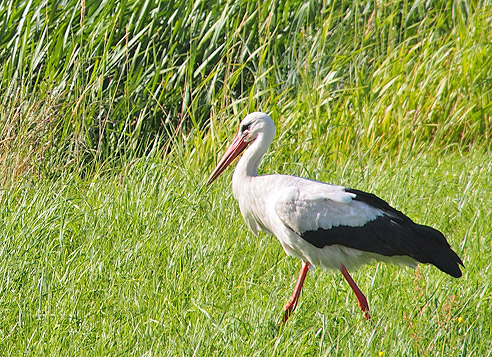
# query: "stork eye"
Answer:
x=245 y=127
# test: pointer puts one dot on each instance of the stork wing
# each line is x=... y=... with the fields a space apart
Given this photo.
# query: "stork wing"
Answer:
x=316 y=205
x=324 y=215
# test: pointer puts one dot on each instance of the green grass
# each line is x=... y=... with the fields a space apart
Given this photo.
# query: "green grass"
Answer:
x=113 y=114
x=86 y=83
x=137 y=263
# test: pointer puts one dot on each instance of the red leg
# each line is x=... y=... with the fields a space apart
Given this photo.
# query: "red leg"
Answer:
x=361 y=299
x=291 y=305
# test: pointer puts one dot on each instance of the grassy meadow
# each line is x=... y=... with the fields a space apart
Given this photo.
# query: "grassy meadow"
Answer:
x=113 y=114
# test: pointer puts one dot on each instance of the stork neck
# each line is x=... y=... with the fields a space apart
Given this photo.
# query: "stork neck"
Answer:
x=247 y=166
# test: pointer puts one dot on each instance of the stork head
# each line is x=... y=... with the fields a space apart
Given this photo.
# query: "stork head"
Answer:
x=252 y=126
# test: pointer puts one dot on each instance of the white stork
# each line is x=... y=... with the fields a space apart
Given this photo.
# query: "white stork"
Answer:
x=325 y=225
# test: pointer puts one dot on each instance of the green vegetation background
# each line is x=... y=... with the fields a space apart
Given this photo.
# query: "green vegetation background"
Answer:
x=114 y=113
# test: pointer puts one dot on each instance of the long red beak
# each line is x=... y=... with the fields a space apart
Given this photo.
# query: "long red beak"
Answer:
x=236 y=148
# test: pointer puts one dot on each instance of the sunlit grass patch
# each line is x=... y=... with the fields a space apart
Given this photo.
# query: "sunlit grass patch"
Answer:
x=135 y=262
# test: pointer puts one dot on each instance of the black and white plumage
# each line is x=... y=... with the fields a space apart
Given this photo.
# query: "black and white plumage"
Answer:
x=325 y=225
